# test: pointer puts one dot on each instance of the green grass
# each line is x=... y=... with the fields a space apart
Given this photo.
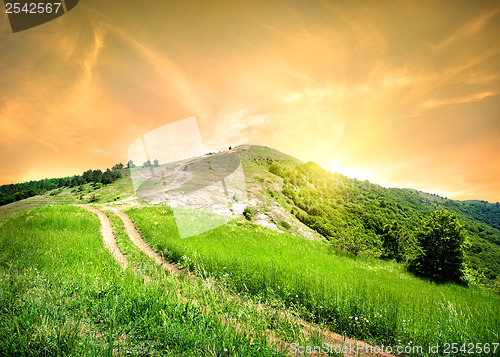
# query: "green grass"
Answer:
x=117 y=190
x=246 y=311
x=369 y=299
x=62 y=294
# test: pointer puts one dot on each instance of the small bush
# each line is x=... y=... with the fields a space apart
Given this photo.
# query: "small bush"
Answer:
x=56 y=192
x=285 y=224
x=248 y=213
x=93 y=198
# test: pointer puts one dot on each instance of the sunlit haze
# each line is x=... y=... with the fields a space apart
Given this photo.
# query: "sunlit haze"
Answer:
x=402 y=93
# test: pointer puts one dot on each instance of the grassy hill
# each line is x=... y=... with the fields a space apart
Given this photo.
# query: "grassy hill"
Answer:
x=62 y=294
x=337 y=207
x=304 y=199
x=371 y=299
x=312 y=253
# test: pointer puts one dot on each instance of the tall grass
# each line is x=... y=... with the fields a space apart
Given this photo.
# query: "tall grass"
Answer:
x=61 y=294
x=372 y=300
x=245 y=311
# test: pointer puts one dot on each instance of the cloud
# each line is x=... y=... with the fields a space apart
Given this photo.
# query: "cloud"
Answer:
x=473 y=27
x=316 y=80
x=460 y=100
x=293 y=97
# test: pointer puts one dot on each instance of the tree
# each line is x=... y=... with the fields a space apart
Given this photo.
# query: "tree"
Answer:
x=107 y=177
x=276 y=169
x=97 y=175
x=130 y=164
x=351 y=239
x=156 y=163
x=88 y=176
x=440 y=244
x=394 y=240
x=147 y=163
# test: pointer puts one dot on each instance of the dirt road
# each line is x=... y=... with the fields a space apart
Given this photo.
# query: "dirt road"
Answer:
x=109 y=240
x=108 y=237
x=136 y=238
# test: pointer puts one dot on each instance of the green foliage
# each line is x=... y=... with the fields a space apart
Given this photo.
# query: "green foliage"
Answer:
x=351 y=240
x=62 y=294
x=482 y=211
x=473 y=277
x=248 y=213
x=15 y=192
x=362 y=297
x=440 y=245
x=395 y=241
x=275 y=169
x=285 y=224
x=333 y=205
x=93 y=198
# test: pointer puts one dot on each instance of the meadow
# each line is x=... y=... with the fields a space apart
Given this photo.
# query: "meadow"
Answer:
x=62 y=294
x=367 y=298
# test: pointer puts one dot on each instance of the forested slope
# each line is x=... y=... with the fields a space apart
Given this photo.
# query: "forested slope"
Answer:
x=358 y=216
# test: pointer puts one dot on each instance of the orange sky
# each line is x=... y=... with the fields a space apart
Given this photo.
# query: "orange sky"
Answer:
x=404 y=93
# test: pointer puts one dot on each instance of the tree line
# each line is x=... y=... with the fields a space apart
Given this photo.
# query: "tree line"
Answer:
x=18 y=191
x=147 y=163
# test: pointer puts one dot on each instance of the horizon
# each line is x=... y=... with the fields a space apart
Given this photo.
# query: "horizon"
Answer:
x=407 y=100
x=233 y=147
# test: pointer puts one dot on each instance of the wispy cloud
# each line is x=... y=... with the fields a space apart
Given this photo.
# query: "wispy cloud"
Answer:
x=459 y=100
x=471 y=28
x=318 y=80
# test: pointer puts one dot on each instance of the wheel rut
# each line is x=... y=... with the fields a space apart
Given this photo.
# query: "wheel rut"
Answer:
x=109 y=240
x=108 y=237
x=136 y=238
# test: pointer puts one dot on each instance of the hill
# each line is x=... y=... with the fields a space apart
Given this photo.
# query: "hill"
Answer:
x=339 y=208
x=288 y=195
x=307 y=264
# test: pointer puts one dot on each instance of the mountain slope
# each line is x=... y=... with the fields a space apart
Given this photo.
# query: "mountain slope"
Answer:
x=288 y=195
x=354 y=214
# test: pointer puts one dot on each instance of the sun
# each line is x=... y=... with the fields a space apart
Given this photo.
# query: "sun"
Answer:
x=335 y=165
x=357 y=172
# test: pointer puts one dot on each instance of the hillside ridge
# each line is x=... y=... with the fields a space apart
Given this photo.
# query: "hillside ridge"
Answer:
x=288 y=195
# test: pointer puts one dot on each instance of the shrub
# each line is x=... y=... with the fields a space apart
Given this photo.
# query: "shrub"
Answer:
x=248 y=213
x=93 y=198
x=285 y=224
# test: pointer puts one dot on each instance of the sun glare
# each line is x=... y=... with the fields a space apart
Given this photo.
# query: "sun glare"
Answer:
x=335 y=165
x=352 y=172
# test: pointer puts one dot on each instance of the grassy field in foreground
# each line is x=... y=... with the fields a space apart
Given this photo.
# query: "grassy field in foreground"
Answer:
x=370 y=299
x=62 y=294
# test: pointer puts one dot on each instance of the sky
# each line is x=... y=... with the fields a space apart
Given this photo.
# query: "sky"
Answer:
x=403 y=93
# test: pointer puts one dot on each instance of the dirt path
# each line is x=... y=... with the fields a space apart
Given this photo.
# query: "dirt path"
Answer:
x=109 y=240
x=107 y=236
x=136 y=238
